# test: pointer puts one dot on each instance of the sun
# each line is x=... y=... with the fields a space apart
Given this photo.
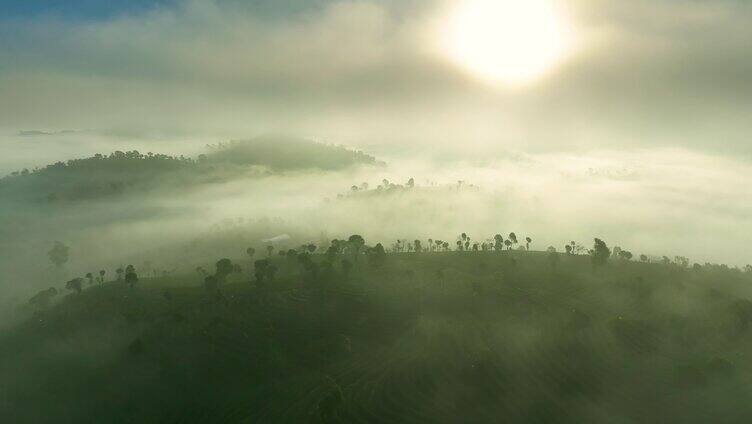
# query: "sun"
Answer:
x=513 y=42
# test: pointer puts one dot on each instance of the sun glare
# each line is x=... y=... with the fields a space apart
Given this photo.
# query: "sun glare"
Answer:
x=513 y=42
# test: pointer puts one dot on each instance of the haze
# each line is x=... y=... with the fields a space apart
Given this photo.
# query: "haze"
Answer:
x=638 y=131
x=173 y=135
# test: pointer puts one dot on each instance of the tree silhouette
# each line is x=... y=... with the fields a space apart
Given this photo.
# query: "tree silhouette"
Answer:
x=498 y=242
x=223 y=268
x=356 y=242
x=508 y=244
x=377 y=256
x=101 y=276
x=59 y=254
x=120 y=271
x=210 y=283
x=568 y=248
x=260 y=270
x=131 y=279
x=418 y=247
x=600 y=253
x=90 y=278
x=74 y=285
x=269 y=250
x=528 y=240
x=250 y=252
x=291 y=254
x=644 y=258
x=513 y=238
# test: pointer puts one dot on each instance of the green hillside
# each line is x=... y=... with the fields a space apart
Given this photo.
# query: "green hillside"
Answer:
x=118 y=173
x=450 y=337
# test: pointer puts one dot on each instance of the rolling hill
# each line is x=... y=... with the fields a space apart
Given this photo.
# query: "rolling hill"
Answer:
x=511 y=336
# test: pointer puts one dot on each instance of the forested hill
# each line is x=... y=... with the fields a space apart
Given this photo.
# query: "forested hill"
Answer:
x=119 y=172
x=362 y=336
x=283 y=154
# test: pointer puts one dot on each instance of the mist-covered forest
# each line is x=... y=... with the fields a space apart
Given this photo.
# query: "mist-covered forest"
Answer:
x=135 y=306
x=375 y=211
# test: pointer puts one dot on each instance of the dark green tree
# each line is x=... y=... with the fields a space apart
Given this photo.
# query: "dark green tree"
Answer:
x=377 y=256
x=498 y=242
x=210 y=283
x=260 y=270
x=75 y=285
x=59 y=254
x=356 y=242
x=131 y=279
x=223 y=268
x=600 y=253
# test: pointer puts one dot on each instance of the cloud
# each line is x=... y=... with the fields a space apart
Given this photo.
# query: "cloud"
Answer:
x=670 y=73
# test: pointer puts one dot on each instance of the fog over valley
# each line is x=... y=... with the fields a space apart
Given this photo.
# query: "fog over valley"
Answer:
x=375 y=211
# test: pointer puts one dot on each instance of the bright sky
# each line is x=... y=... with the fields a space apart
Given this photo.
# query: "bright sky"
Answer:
x=546 y=75
x=466 y=82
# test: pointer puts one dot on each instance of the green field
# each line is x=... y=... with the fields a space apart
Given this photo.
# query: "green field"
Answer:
x=451 y=337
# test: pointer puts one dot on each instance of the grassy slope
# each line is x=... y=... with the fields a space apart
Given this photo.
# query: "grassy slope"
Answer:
x=442 y=337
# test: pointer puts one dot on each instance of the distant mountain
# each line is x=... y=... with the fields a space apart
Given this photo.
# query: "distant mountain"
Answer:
x=284 y=153
x=119 y=172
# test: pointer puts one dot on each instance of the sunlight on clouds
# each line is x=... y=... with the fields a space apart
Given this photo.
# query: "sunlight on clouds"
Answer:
x=507 y=41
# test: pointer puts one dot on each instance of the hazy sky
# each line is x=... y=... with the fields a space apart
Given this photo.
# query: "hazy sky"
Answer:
x=668 y=73
x=637 y=131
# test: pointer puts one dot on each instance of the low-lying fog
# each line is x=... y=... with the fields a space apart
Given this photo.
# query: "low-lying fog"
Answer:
x=657 y=202
x=637 y=135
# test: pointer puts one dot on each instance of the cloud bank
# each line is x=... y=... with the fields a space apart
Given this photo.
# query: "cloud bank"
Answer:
x=669 y=73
